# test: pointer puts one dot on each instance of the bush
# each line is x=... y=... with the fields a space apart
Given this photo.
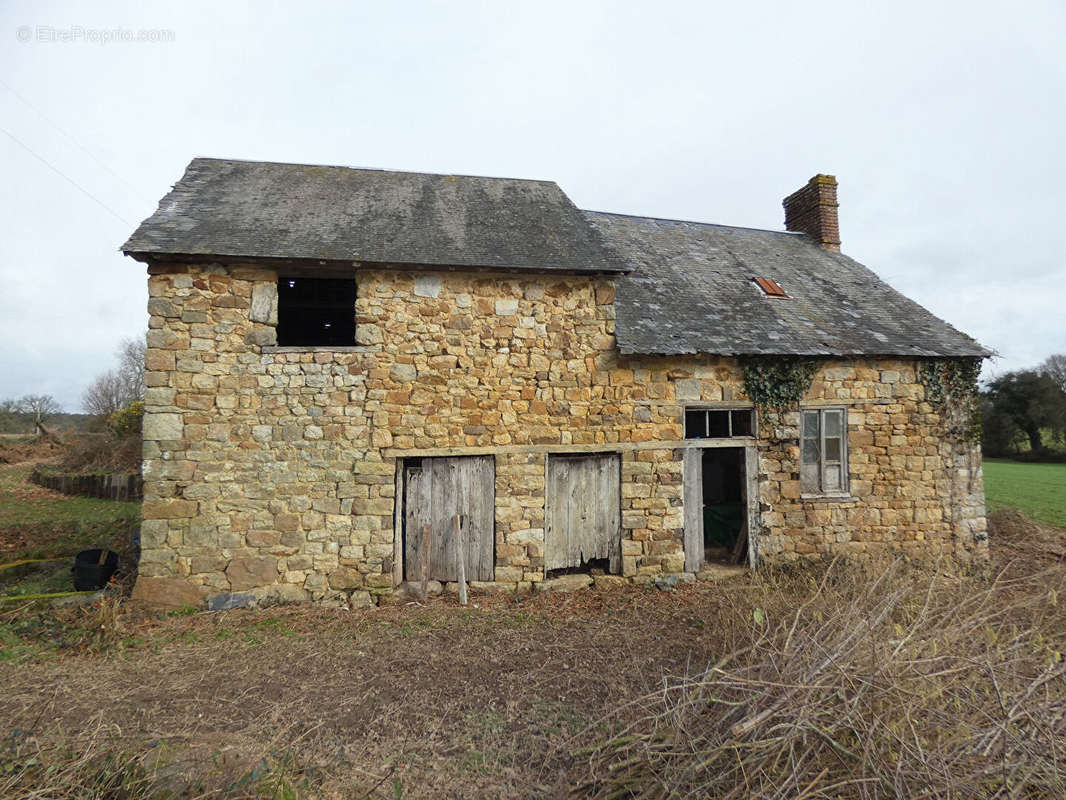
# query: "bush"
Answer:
x=102 y=452
x=903 y=686
x=126 y=421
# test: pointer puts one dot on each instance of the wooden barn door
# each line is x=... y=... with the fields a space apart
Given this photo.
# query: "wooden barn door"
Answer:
x=584 y=511
x=435 y=491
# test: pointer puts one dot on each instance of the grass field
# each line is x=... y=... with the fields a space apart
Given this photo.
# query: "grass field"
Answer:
x=38 y=523
x=1037 y=490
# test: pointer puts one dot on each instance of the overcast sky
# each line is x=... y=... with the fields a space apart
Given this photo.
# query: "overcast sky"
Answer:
x=944 y=122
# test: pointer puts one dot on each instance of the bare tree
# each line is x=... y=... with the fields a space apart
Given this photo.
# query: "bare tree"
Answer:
x=40 y=407
x=1055 y=368
x=107 y=393
x=131 y=368
x=117 y=388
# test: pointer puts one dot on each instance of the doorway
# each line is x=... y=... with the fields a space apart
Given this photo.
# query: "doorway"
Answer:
x=717 y=506
x=723 y=505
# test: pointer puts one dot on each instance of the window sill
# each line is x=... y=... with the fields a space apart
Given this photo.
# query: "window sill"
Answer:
x=829 y=498
x=321 y=349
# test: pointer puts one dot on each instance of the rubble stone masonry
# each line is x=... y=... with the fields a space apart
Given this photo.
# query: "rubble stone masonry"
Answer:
x=274 y=470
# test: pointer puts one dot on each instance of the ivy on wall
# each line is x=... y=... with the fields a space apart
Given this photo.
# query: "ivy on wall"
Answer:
x=777 y=382
x=951 y=388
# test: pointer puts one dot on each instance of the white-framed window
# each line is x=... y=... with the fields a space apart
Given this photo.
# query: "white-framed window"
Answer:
x=824 y=451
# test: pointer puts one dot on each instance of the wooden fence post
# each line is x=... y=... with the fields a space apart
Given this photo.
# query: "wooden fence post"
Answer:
x=426 y=532
x=460 y=548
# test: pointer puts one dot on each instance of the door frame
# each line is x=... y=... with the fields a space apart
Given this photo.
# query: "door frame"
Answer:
x=692 y=497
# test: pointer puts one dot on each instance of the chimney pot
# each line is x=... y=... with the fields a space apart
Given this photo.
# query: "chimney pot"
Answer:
x=813 y=210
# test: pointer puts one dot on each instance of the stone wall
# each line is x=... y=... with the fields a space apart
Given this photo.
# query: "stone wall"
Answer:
x=910 y=488
x=273 y=470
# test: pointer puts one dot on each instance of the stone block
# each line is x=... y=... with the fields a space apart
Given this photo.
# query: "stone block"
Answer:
x=248 y=572
x=287 y=522
x=265 y=303
x=281 y=593
x=168 y=592
x=506 y=307
x=169 y=509
x=508 y=574
x=403 y=373
x=427 y=286
x=262 y=336
x=564 y=583
x=162 y=427
x=673 y=563
x=368 y=335
x=345 y=578
x=688 y=389
x=264 y=538
x=159 y=360
x=361 y=599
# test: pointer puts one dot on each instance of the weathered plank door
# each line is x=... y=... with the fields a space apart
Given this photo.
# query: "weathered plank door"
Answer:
x=435 y=491
x=584 y=511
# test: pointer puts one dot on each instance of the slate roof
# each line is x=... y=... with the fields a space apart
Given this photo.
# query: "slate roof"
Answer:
x=691 y=291
x=296 y=211
x=689 y=287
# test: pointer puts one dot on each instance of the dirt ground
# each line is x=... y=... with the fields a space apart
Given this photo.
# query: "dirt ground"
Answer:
x=436 y=700
x=431 y=700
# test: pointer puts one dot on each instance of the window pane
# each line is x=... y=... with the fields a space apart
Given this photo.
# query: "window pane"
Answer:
x=810 y=451
x=718 y=423
x=809 y=477
x=695 y=424
x=742 y=423
x=833 y=423
x=832 y=448
x=832 y=478
x=810 y=424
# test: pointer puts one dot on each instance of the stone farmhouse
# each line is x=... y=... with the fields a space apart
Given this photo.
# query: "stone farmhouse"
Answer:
x=357 y=378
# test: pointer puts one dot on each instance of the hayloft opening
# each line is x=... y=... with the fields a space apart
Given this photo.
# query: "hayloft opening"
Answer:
x=316 y=312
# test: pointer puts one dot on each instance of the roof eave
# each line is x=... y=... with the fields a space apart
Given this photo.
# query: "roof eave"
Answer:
x=148 y=256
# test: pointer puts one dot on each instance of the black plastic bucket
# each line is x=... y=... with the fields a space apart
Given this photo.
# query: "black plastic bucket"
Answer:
x=94 y=568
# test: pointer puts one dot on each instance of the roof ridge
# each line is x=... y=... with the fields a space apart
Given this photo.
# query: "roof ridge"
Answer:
x=372 y=169
x=691 y=222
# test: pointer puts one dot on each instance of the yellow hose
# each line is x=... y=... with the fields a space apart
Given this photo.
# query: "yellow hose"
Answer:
x=31 y=561
x=15 y=598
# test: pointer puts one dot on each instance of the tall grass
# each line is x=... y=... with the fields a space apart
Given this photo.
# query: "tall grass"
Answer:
x=899 y=685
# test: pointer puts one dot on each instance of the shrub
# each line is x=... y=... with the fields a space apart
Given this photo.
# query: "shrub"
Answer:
x=126 y=421
x=903 y=686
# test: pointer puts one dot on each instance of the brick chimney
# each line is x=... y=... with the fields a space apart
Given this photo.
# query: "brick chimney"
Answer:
x=813 y=210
